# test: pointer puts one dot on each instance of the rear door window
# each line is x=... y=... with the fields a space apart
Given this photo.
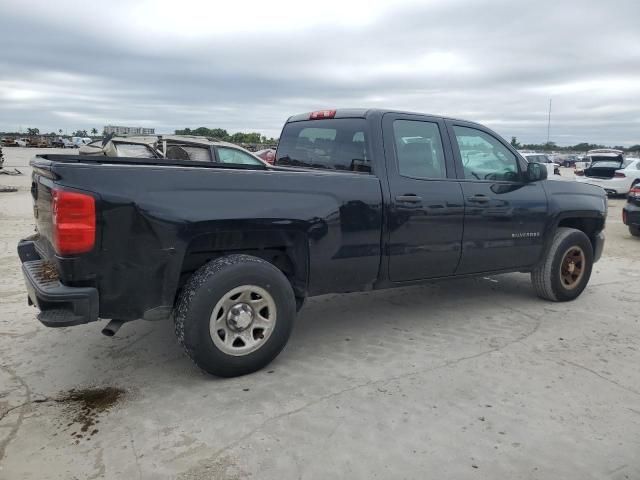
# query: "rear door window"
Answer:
x=330 y=144
x=419 y=149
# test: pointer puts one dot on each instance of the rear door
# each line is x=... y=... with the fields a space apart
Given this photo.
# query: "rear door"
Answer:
x=425 y=215
x=504 y=216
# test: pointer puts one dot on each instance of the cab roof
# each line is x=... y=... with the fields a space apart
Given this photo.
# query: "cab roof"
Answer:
x=364 y=113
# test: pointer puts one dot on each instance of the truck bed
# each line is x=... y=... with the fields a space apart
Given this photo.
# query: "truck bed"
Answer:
x=158 y=221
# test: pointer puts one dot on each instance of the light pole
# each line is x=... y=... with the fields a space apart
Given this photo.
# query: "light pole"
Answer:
x=549 y=123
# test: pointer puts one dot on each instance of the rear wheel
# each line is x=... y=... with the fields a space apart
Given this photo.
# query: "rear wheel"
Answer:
x=235 y=315
x=565 y=271
x=634 y=230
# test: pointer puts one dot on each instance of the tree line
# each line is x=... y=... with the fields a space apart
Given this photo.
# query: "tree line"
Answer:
x=217 y=133
x=32 y=132
x=222 y=134
x=580 y=147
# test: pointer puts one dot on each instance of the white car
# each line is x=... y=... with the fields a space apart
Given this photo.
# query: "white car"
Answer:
x=615 y=174
x=80 y=141
x=535 y=157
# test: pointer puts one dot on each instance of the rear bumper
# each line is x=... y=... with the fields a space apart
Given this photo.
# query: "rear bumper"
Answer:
x=60 y=305
x=613 y=186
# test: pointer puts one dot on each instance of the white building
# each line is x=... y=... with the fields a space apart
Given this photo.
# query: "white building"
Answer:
x=118 y=130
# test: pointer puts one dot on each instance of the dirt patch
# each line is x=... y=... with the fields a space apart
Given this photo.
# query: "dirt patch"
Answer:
x=83 y=406
x=48 y=272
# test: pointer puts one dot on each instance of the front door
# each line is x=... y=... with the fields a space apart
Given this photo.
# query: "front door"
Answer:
x=504 y=215
x=425 y=216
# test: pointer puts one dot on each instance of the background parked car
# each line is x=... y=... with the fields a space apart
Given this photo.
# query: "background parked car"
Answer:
x=14 y=142
x=611 y=172
x=79 y=141
x=268 y=155
x=568 y=161
x=38 y=142
x=176 y=147
x=631 y=211
x=140 y=147
x=535 y=157
x=58 y=142
x=584 y=161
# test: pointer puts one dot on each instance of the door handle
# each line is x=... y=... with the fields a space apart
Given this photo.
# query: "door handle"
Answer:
x=409 y=198
x=478 y=199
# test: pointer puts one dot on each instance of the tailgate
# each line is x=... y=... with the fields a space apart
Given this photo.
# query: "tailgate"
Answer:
x=62 y=286
x=41 y=187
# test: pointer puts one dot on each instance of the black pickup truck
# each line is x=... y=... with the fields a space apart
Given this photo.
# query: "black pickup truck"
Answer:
x=357 y=200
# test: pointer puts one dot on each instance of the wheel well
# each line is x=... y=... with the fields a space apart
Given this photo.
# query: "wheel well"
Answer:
x=287 y=251
x=590 y=226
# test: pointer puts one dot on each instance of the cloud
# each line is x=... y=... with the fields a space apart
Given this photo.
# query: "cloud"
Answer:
x=249 y=65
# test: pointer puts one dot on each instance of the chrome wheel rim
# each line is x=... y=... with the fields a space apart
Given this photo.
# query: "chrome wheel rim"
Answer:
x=243 y=320
x=572 y=267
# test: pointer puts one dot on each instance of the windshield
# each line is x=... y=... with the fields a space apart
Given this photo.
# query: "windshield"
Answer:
x=607 y=164
x=332 y=144
x=611 y=161
x=189 y=152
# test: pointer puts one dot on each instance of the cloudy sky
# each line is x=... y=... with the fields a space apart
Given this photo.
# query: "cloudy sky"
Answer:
x=248 y=65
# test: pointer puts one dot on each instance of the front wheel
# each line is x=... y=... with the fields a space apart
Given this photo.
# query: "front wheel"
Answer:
x=565 y=271
x=235 y=315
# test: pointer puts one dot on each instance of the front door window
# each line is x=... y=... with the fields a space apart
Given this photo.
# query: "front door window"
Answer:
x=484 y=157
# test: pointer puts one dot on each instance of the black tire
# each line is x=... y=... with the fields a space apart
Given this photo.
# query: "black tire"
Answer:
x=206 y=288
x=634 y=230
x=547 y=275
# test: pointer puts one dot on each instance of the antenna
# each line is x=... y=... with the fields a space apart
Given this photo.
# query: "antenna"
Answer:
x=549 y=122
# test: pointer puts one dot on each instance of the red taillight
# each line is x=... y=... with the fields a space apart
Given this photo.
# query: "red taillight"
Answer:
x=635 y=192
x=619 y=175
x=74 y=222
x=320 y=114
x=624 y=217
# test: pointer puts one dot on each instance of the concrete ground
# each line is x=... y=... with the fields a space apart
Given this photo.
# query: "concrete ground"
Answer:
x=466 y=379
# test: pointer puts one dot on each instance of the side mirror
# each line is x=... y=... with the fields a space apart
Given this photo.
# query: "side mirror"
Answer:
x=536 y=172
